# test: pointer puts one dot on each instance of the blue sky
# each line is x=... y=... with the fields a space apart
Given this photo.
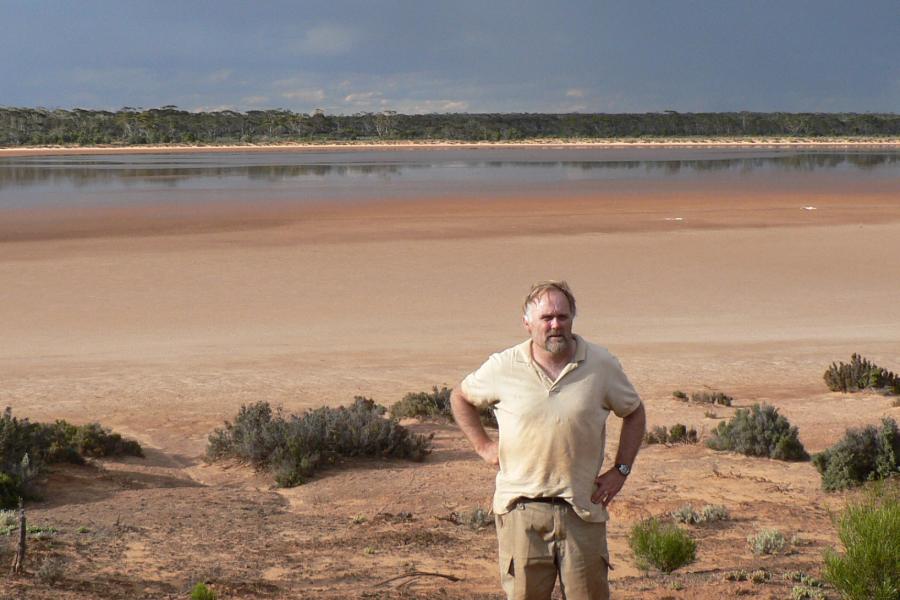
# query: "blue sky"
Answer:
x=416 y=56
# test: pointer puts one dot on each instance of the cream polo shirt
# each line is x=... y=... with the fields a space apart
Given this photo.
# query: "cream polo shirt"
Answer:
x=552 y=433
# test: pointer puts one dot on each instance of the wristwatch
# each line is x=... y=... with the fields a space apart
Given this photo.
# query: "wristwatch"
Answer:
x=623 y=469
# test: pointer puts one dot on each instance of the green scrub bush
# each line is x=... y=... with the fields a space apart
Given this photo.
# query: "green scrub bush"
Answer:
x=202 y=592
x=712 y=398
x=704 y=397
x=676 y=434
x=869 y=530
x=759 y=431
x=860 y=374
x=26 y=447
x=662 y=545
x=294 y=447
x=433 y=405
x=865 y=454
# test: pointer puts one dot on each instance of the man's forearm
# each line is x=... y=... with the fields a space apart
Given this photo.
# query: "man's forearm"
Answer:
x=632 y=435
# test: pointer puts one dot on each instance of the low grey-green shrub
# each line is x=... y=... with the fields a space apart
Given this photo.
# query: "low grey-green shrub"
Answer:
x=676 y=434
x=759 y=431
x=712 y=398
x=476 y=519
x=52 y=570
x=662 y=545
x=760 y=576
x=26 y=447
x=805 y=592
x=869 y=530
x=860 y=374
x=297 y=446
x=8 y=518
x=709 y=513
x=714 y=512
x=767 y=541
x=704 y=397
x=433 y=405
x=686 y=514
x=866 y=454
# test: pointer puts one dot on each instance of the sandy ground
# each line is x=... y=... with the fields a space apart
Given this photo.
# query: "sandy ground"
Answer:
x=162 y=325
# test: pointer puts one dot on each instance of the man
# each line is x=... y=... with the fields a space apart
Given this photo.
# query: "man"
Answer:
x=552 y=395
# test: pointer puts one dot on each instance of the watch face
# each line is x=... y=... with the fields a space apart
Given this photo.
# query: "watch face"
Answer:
x=623 y=469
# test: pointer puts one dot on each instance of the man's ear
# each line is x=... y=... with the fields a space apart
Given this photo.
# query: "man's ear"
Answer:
x=526 y=324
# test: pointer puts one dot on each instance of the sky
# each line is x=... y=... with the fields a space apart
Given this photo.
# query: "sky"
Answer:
x=435 y=56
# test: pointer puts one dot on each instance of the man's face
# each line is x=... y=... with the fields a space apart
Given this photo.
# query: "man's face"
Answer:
x=550 y=323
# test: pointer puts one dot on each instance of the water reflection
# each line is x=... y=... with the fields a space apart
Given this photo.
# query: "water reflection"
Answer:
x=21 y=178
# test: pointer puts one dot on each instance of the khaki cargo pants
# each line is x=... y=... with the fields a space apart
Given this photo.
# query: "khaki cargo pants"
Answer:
x=540 y=540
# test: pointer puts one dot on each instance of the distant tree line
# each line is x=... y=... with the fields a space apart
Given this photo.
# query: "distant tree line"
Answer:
x=171 y=125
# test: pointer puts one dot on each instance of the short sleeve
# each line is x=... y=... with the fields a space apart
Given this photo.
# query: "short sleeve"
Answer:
x=479 y=386
x=621 y=397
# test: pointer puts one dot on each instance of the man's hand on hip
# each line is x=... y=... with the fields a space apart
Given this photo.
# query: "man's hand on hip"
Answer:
x=489 y=453
x=608 y=485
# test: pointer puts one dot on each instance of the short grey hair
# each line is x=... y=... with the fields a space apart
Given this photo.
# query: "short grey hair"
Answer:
x=542 y=287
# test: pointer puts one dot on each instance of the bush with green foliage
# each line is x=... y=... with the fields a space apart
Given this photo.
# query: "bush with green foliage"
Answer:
x=26 y=447
x=866 y=454
x=704 y=397
x=869 y=530
x=759 y=431
x=297 y=446
x=676 y=434
x=202 y=592
x=433 y=405
x=429 y=405
x=860 y=374
x=662 y=545
x=712 y=398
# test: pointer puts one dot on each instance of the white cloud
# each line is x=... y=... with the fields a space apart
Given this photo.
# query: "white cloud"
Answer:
x=431 y=106
x=209 y=108
x=574 y=93
x=255 y=101
x=327 y=40
x=303 y=95
x=220 y=76
x=361 y=97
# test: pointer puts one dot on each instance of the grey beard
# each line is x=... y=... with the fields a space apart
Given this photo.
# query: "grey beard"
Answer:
x=557 y=345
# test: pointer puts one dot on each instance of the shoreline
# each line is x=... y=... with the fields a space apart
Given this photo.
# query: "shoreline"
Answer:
x=618 y=143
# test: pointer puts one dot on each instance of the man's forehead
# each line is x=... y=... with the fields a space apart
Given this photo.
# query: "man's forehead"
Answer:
x=552 y=301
